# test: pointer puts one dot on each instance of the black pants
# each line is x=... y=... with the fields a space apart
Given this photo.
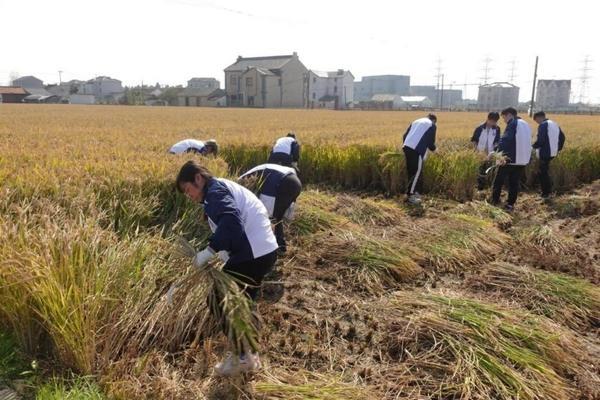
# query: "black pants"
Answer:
x=414 y=170
x=288 y=191
x=281 y=159
x=544 y=175
x=482 y=178
x=252 y=272
x=513 y=173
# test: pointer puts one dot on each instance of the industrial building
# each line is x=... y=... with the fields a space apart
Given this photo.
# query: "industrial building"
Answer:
x=553 y=94
x=498 y=95
x=369 y=86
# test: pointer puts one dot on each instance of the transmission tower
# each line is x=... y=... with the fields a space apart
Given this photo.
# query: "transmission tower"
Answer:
x=512 y=75
x=486 y=70
x=584 y=79
x=438 y=70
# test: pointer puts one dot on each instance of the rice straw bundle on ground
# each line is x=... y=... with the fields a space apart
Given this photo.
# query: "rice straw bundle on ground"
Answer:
x=454 y=347
x=569 y=301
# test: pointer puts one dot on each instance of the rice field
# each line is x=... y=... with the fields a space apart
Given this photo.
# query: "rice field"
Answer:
x=372 y=301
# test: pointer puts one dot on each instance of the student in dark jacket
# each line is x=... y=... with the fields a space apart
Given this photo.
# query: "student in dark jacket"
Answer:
x=485 y=139
x=515 y=145
x=242 y=236
x=286 y=151
x=278 y=189
x=418 y=139
x=550 y=140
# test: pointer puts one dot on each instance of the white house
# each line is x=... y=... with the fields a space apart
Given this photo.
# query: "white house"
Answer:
x=104 y=88
x=330 y=89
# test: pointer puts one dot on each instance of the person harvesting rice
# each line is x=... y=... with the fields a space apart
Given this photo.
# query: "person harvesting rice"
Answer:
x=241 y=234
x=195 y=146
x=418 y=139
x=485 y=139
x=286 y=151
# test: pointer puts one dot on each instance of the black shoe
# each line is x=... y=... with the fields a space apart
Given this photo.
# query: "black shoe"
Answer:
x=509 y=208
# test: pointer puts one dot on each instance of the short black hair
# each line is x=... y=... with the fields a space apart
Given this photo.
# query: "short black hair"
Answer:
x=432 y=117
x=494 y=116
x=539 y=114
x=292 y=135
x=509 y=110
x=188 y=173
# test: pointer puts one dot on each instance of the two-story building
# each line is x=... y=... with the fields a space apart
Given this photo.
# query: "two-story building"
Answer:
x=274 y=81
x=330 y=89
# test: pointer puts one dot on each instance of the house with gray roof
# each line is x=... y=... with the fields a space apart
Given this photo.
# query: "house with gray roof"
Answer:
x=267 y=82
x=330 y=89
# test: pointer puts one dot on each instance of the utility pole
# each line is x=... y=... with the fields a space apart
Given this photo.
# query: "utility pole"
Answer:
x=533 y=88
x=438 y=72
x=60 y=77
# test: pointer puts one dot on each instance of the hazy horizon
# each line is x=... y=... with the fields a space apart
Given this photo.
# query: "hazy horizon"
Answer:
x=170 y=41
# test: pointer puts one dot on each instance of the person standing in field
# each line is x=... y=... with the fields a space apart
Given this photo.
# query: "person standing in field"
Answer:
x=485 y=139
x=278 y=187
x=418 y=139
x=286 y=151
x=515 y=145
x=550 y=140
x=242 y=230
x=195 y=146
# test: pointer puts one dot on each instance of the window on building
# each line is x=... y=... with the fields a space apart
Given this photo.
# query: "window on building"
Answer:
x=279 y=81
x=250 y=99
x=314 y=79
x=249 y=81
x=335 y=89
x=314 y=95
x=233 y=80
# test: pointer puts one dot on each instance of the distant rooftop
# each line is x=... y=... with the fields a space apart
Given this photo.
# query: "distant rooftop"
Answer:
x=270 y=62
x=12 y=90
x=499 y=84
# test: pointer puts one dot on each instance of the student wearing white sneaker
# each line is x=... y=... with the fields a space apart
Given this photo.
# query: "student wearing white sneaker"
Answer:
x=418 y=139
x=242 y=235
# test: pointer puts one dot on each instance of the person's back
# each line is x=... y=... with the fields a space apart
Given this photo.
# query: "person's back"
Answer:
x=195 y=146
x=285 y=151
x=420 y=136
x=259 y=239
x=516 y=142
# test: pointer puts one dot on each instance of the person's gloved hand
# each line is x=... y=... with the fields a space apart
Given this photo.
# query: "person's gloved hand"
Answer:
x=224 y=256
x=203 y=257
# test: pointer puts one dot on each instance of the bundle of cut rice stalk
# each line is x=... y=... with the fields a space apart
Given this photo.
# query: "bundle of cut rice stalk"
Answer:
x=229 y=306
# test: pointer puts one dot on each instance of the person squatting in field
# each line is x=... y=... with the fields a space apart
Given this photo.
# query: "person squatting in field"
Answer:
x=485 y=139
x=278 y=187
x=241 y=234
x=550 y=140
x=286 y=151
x=195 y=146
x=418 y=139
x=515 y=144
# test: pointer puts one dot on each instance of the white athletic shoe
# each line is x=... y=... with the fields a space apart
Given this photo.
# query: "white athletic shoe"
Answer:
x=232 y=365
x=414 y=200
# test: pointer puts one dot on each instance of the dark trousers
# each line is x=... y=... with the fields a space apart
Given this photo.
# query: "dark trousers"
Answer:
x=288 y=191
x=281 y=159
x=513 y=173
x=544 y=175
x=250 y=274
x=414 y=170
x=482 y=178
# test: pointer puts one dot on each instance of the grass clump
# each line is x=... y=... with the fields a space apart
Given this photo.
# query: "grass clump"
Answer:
x=567 y=300
x=452 y=347
x=79 y=389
